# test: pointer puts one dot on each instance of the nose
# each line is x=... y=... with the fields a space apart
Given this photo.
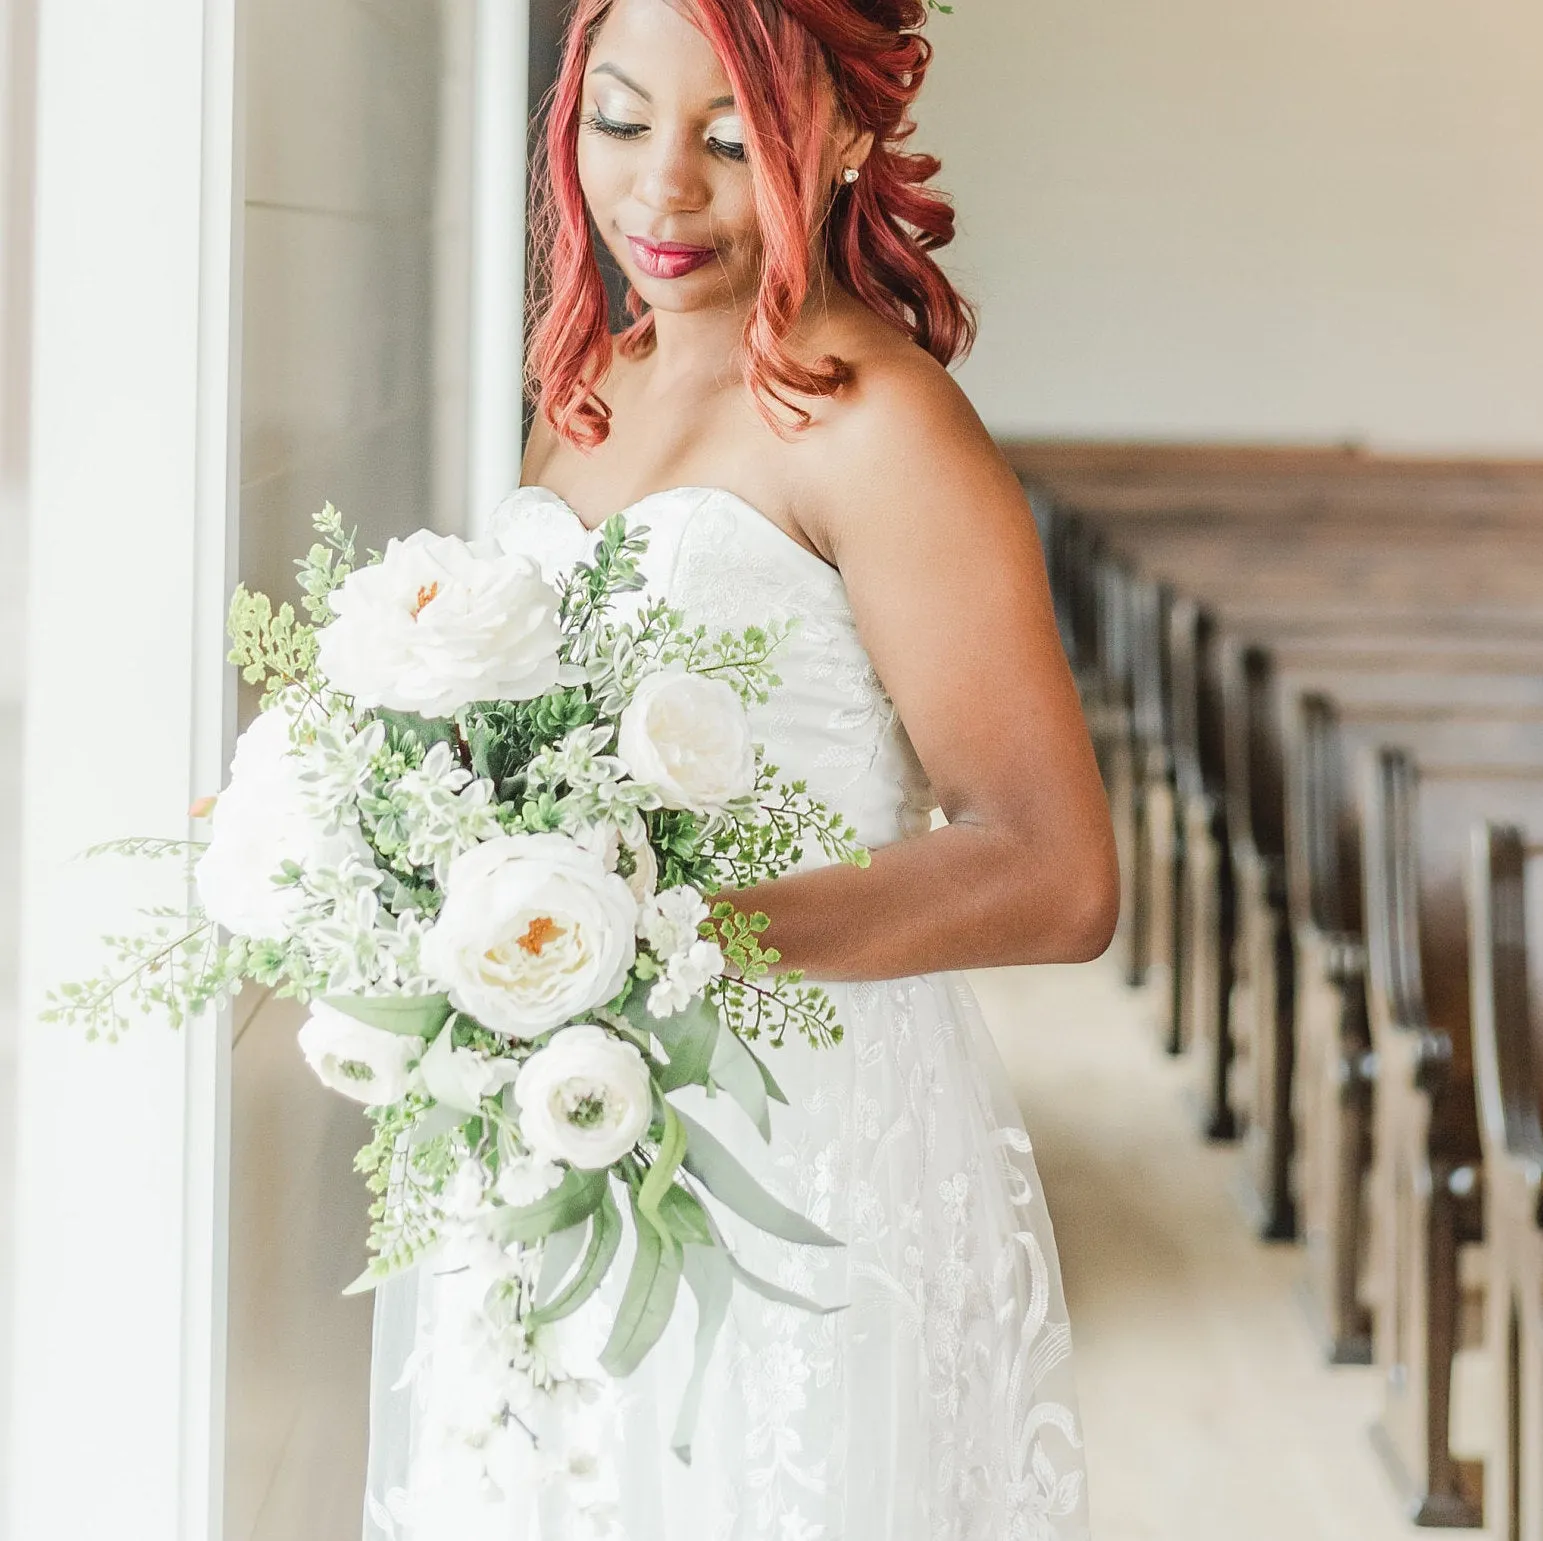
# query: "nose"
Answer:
x=671 y=178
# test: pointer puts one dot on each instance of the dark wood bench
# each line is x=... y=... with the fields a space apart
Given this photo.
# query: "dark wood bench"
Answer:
x=1263 y=686
x=1426 y=1171
x=1227 y=874
x=1506 y=953
x=1333 y=1079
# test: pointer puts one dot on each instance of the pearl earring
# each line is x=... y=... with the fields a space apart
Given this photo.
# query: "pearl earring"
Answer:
x=850 y=175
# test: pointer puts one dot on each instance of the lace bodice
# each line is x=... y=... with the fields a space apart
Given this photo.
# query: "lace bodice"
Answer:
x=727 y=566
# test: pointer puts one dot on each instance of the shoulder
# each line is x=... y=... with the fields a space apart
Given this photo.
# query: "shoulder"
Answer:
x=901 y=446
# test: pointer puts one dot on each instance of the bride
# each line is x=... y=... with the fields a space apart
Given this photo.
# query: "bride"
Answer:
x=780 y=419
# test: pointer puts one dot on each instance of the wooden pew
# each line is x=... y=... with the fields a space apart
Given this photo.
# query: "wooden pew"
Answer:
x=1158 y=722
x=1427 y=1159
x=1262 y=685
x=1229 y=937
x=1506 y=951
x=1333 y=1080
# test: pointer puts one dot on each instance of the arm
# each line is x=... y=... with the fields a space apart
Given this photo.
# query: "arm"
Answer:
x=943 y=567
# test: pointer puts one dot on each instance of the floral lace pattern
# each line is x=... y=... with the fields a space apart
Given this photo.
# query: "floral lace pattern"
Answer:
x=935 y=1400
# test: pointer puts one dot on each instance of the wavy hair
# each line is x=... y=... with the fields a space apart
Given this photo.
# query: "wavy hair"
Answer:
x=797 y=67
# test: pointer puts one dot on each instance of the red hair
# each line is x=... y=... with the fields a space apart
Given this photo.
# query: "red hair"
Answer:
x=797 y=67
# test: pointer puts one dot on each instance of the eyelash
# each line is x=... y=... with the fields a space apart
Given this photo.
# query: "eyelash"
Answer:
x=627 y=132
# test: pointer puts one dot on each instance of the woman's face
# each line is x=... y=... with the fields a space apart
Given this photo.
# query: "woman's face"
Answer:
x=662 y=162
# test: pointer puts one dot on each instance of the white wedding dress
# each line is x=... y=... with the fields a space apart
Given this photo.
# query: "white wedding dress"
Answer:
x=939 y=1404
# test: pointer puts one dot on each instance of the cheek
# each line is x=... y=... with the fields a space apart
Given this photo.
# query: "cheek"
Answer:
x=734 y=219
x=601 y=176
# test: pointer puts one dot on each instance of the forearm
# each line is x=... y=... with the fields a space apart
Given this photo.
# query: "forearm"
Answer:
x=963 y=896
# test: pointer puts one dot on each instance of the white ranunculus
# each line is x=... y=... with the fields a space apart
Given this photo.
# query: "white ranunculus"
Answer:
x=689 y=736
x=586 y=1098
x=534 y=932
x=365 y=1063
x=437 y=624
x=262 y=819
x=461 y=1078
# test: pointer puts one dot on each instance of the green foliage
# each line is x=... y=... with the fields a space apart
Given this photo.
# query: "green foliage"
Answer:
x=590 y=587
x=271 y=647
x=325 y=565
x=176 y=967
x=760 y=1002
x=403 y=1176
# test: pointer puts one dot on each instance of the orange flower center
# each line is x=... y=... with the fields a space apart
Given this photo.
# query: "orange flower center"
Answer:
x=538 y=933
x=424 y=596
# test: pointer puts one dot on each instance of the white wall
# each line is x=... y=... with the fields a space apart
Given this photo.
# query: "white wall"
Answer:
x=1225 y=218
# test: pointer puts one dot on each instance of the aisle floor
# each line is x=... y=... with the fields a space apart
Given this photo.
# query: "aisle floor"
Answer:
x=1208 y=1410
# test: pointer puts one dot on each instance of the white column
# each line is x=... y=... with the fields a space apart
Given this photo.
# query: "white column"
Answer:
x=122 y=1148
x=495 y=388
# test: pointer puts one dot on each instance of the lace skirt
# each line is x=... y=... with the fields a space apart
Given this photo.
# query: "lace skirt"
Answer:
x=938 y=1405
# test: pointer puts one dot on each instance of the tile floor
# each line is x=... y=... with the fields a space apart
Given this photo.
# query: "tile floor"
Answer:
x=1208 y=1412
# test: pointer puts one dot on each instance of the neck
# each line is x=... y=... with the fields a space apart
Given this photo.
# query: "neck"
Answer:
x=700 y=343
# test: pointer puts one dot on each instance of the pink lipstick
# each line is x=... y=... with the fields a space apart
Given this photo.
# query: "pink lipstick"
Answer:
x=669 y=259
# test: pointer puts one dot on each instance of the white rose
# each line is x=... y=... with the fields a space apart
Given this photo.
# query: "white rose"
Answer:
x=461 y=1078
x=534 y=932
x=262 y=819
x=689 y=736
x=365 y=1063
x=586 y=1098
x=437 y=624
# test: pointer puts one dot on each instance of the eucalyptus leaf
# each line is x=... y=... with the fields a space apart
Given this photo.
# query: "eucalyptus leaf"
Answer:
x=775 y=1292
x=414 y=1016
x=733 y=1069
x=688 y=1221
x=604 y=1239
x=661 y=1174
x=690 y=1039
x=559 y=1252
x=709 y=1161
x=648 y=1300
x=572 y=1201
x=709 y=1275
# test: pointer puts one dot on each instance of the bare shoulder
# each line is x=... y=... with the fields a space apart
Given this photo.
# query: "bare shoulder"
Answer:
x=902 y=447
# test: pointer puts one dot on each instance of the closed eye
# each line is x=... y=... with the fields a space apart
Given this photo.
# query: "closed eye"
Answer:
x=599 y=124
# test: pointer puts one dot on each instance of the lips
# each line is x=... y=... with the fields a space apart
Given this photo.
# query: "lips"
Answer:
x=669 y=259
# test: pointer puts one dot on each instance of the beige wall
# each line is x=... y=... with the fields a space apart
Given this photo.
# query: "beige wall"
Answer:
x=354 y=201
x=1205 y=219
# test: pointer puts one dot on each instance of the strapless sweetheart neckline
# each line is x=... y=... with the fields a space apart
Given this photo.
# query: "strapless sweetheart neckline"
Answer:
x=732 y=499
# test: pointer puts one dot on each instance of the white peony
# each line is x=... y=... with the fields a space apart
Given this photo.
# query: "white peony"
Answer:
x=586 y=1098
x=437 y=624
x=365 y=1063
x=688 y=736
x=262 y=819
x=534 y=932
x=461 y=1078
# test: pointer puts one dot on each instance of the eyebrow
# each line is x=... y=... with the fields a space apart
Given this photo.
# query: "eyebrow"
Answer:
x=633 y=86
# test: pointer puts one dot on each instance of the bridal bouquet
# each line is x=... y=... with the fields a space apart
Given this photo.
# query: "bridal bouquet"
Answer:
x=477 y=827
